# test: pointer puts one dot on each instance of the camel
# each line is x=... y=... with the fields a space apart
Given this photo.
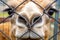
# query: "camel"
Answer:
x=28 y=14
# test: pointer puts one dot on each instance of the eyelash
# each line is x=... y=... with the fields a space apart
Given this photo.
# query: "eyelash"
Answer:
x=51 y=11
x=9 y=10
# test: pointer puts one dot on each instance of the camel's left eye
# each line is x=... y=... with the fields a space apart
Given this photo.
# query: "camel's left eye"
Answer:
x=51 y=11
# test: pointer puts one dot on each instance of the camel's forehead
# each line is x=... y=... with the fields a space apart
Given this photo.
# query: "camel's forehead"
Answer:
x=43 y=3
x=29 y=7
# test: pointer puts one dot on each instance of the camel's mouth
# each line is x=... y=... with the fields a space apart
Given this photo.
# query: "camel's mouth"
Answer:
x=29 y=38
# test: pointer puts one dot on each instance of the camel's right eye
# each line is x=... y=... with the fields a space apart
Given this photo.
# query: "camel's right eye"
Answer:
x=9 y=10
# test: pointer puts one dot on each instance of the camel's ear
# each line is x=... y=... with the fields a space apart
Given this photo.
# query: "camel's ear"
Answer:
x=52 y=11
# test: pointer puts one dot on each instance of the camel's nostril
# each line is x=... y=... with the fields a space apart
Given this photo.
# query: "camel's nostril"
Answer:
x=37 y=19
x=22 y=19
x=21 y=27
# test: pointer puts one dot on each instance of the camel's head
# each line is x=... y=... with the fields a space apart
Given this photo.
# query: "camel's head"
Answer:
x=30 y=19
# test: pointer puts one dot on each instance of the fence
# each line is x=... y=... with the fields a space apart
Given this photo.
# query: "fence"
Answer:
x=56 y=19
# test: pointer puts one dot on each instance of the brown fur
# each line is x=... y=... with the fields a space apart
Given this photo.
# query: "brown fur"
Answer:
x=14 y=3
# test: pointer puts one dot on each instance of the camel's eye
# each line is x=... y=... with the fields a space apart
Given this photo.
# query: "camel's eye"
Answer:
x=51 y=11
x=38 y=19
x=9 y=10
x=21 y=19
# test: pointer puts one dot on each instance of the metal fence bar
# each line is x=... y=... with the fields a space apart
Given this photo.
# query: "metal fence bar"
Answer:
x=55 y=23
x=5 y=35
x=54 y=35
x=56 y=26
x=19 y=5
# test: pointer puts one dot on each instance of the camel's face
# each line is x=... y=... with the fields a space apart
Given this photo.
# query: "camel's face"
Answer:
x=30 y=13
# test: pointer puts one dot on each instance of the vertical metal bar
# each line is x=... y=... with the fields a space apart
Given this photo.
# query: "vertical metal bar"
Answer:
x=56 y=26
x=59 y=27
x=55 y=23
x=58 y=6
